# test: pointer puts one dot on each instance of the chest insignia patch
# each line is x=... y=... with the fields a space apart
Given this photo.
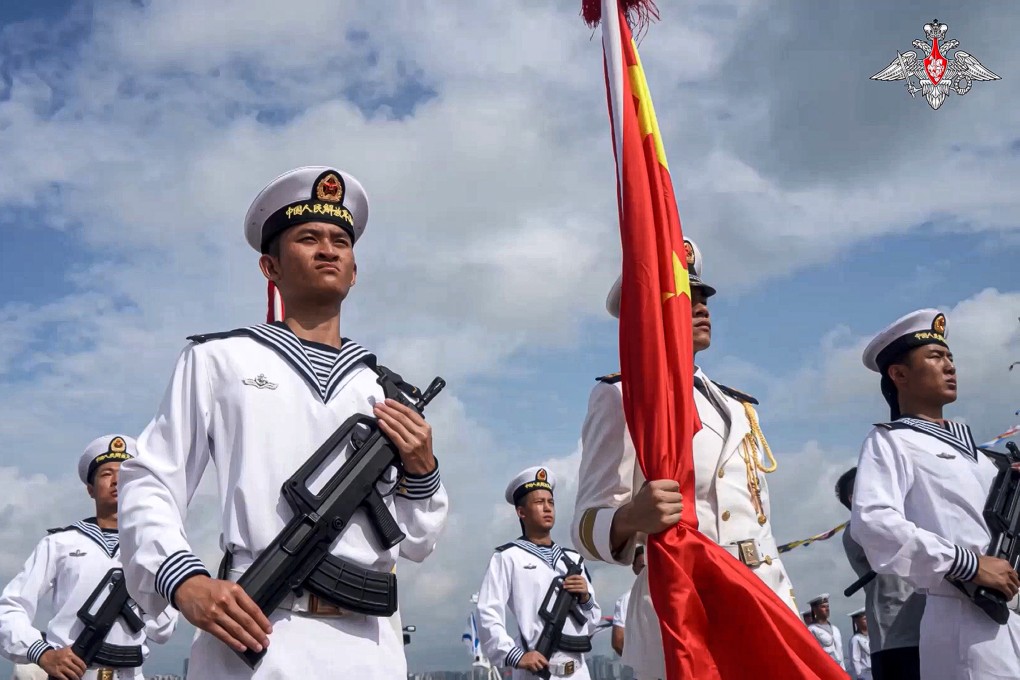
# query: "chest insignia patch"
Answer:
x=260 y=382
x=78 y=553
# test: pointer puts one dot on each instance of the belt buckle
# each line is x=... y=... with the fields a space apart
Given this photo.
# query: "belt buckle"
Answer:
x=562 y=670
x=749 y=553
x=323 y=609
x=568 y=668
x=104 y=674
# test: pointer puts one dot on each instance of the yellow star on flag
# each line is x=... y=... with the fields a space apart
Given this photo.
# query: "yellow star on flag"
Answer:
x=681 y=281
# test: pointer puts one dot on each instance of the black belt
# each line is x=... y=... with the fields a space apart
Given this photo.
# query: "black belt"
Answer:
x=574 y=644
x=346 y=585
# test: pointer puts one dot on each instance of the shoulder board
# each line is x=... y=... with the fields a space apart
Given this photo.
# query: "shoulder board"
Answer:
x=895 y=425
x=736 y=394
x=611 y=379
x=58 y=530
x=206 y=337
x=504 y=547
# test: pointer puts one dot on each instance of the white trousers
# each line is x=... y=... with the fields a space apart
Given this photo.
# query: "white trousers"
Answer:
x=960 y=642
x=355 y=646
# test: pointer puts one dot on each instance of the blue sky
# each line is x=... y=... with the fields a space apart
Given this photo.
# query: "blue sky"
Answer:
x=133 y=136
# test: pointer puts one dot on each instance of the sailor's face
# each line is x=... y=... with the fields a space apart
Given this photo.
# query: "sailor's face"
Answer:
x=538 y=510
x=316 y=262
x=821 y=611
x=104 y=484
x=931 y=373
x=701 y=321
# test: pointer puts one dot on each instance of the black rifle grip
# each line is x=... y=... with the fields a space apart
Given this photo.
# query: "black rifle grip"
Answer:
x=382 y=521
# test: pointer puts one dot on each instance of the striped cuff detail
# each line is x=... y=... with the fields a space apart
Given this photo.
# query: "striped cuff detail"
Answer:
x=514 y=656
x=175 y=570
x=419 y=487
x=965 y=565
x=589 y=605
x=36 y=651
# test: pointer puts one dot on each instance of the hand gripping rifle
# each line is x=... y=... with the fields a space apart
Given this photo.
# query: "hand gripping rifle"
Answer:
x=299 y=557
x=1002 y=515
x=108 y=602
x=556 y=607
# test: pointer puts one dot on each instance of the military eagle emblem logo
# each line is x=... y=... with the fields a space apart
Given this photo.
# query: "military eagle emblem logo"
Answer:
x=936 y=75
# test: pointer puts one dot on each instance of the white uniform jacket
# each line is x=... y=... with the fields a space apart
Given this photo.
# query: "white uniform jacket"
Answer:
x=860 y=656
x=517 y=580
x=61 y=573
x=257 y=402
x=831 y=640
x=917 y=506
x=610 y=475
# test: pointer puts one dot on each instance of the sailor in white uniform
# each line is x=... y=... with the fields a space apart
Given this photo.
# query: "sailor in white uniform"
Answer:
x=860 y=647
x=615 y=509
x=821 y=627
x=64 y=570
x=257 y=402
x=518 y=579
x=917 y=506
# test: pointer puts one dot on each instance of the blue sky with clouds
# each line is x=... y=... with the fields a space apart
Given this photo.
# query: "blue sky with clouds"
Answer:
x=134 y=135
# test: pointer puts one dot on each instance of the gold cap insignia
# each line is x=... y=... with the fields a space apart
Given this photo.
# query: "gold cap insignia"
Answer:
x=939 y=324
x=118 y=445
x=541 y=475
x=330 y=189
x=689 y=249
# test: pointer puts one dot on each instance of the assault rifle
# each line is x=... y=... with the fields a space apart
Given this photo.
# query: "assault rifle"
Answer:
x=1002 y=515
x=108 y=602
x=299 y=557
x=556 y=607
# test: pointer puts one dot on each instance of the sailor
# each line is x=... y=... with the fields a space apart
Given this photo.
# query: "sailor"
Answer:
x=921 y=488
x=66 y=568
x=521 y=574
x=616 y=509
x=821 y=627
x=806 y=617
x=258 y=401
x=860 y=647
x=620 y=612
x=893 y=607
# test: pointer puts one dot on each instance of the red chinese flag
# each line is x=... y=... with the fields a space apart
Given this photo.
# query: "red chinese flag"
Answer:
x=718 y=619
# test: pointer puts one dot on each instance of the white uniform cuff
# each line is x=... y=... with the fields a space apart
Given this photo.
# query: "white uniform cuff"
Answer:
x=174 y=571
x=594 y=532
x=589 y=605
x=37 y=649
x=420 y=487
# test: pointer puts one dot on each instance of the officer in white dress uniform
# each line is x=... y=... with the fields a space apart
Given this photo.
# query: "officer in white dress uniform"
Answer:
x=860 y=647
x=827 y=635
x=615 y=509
x=257 y=402
x=620 y=612
x=518 y=579
x=921 y=488
x=64 y=570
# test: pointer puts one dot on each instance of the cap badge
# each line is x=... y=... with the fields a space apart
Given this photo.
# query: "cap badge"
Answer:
x=118 y=445
x=541 y=475
x=329 y=189
x=689 y=249
x=939 y=324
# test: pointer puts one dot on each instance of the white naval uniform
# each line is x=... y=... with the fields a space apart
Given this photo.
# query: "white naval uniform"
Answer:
x=62 y=572
x=517 y=581
x=609 y=475
x=830 y=639
x=620 y=613
x=917 y=513
x=250 y=401
x=860 y=656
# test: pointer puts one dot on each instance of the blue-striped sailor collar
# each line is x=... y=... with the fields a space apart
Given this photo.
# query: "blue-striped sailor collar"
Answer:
x=281 y=339
x=957 y=435
x=107 y=539
x=550 y=554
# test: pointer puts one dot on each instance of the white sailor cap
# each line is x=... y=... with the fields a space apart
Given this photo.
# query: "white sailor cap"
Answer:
x=314 y=193
x=855 y=614
x=923 y=327
x=110 y=448
x=694 y=265
x=532 y=479
x=820 y=599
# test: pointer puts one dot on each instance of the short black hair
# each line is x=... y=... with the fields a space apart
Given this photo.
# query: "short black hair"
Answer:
x=845 y=486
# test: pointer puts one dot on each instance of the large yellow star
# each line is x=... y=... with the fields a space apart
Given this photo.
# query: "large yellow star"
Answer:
x=647 y=122
x=681 y=281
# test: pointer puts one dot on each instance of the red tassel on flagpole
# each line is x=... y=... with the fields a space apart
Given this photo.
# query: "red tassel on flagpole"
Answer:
x=639 y=12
